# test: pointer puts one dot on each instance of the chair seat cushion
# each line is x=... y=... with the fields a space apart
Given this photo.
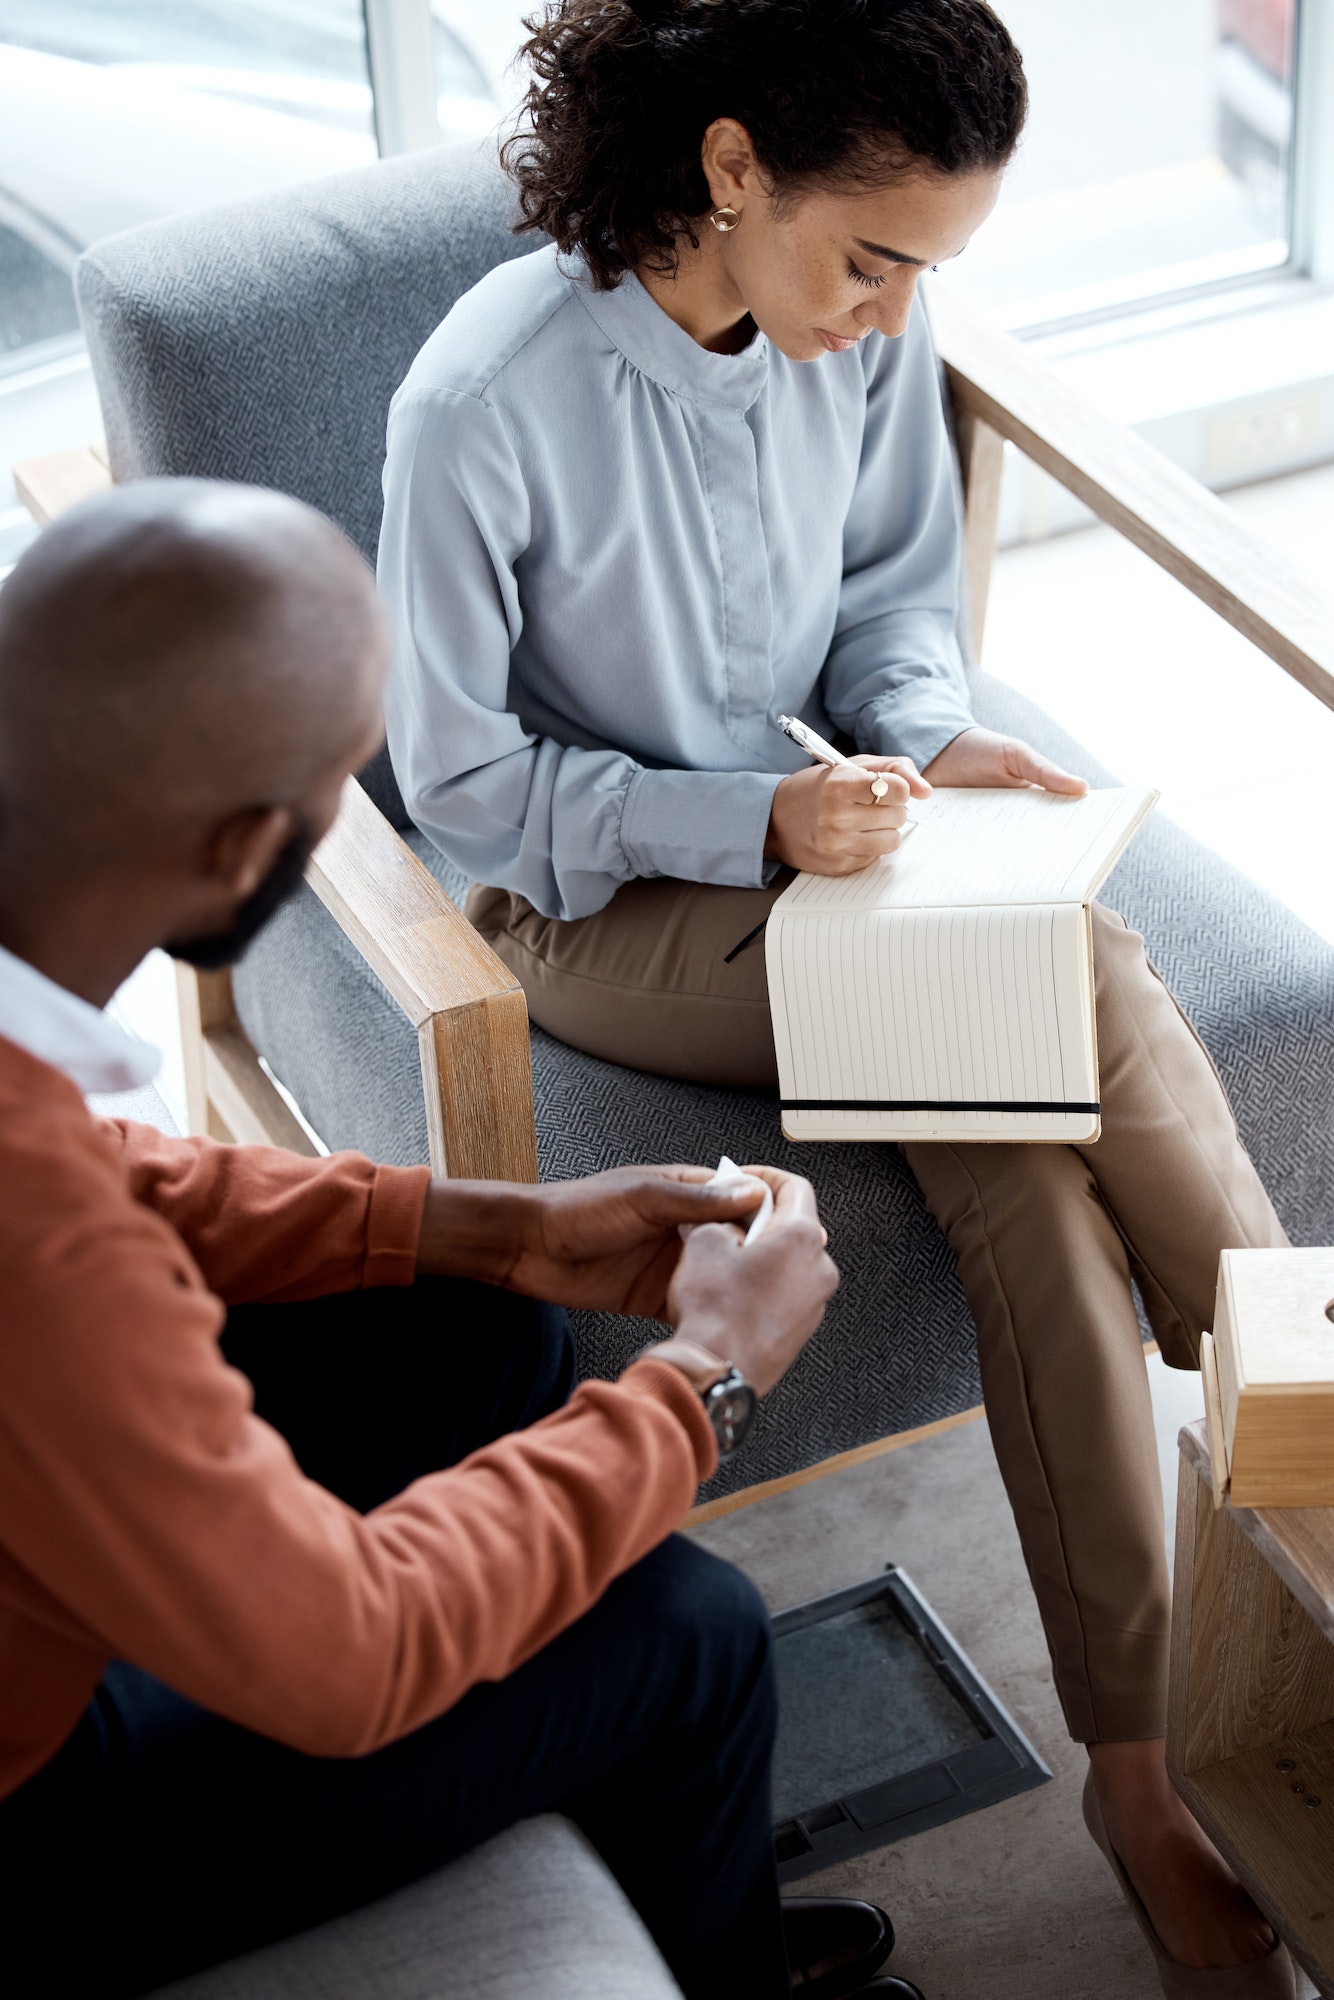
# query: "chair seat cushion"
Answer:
x=533 y=1915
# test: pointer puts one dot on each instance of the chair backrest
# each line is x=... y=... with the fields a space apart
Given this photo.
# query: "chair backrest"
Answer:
x=263 y=340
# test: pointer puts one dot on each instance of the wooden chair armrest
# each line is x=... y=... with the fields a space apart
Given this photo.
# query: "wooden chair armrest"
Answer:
x=468 y=1009
x=1185 y=529
x=47 y=486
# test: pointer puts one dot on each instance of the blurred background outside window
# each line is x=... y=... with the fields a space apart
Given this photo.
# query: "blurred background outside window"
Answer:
x=1158 y=155
x=113 y=112
x=1163 y=163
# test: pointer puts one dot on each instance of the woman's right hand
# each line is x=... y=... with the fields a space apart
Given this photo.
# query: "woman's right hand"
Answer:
x=825 y=820
x=756 y=1305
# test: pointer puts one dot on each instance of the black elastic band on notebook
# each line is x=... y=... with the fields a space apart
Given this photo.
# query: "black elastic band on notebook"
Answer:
x=922 y=1104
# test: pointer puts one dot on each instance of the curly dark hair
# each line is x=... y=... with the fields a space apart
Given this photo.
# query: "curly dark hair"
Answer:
x=833 y=93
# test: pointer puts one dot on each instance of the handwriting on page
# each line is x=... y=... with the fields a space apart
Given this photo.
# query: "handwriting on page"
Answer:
x=986 y=846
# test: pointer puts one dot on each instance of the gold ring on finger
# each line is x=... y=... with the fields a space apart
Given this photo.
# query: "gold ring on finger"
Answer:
x=879 y=789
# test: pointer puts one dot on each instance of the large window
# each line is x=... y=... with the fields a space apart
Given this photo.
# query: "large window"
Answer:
x=1160 y=154
x=116 y=111
x=1157 y=157
x=113 y=112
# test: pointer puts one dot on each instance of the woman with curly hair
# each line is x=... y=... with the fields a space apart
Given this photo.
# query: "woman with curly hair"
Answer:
x=684 y=469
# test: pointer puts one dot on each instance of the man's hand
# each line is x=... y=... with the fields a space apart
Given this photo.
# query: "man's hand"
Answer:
x=981 y=757
x=610 y=1242
x=756 y=1305
x=826 y=821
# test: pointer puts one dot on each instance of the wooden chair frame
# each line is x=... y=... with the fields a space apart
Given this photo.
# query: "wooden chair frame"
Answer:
x=467 y=1008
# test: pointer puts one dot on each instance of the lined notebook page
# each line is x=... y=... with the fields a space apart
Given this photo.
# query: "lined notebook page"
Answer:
x=990 y=847
x=957 y=1005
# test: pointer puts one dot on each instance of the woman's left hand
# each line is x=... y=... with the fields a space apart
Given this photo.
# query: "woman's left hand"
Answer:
x=981 y=757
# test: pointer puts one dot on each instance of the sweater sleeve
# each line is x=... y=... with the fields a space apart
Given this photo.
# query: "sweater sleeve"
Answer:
x=894 y=676
x=173 y=1528
x=266 y=1226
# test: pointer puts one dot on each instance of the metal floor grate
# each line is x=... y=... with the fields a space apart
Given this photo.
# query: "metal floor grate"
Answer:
x=884 y=1729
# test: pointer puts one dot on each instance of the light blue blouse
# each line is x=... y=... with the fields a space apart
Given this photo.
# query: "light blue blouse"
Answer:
x=613 y=559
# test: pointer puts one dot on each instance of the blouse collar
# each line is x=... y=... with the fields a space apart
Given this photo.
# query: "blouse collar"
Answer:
x=652 y=342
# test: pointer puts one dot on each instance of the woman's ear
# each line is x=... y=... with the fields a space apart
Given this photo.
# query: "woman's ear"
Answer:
x=242 y=849
x=730 y=167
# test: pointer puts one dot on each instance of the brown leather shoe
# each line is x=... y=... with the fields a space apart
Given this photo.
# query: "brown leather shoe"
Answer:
x=834 y=1944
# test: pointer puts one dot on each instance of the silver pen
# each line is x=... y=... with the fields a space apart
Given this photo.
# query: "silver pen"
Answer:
x=814 y=745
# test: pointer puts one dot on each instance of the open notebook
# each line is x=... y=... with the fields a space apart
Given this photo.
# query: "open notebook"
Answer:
x=946 y=992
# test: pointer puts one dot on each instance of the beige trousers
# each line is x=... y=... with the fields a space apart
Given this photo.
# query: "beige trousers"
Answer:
x=1047 y=1239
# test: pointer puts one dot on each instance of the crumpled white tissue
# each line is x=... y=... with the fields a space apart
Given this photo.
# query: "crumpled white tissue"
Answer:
x=729 y=1175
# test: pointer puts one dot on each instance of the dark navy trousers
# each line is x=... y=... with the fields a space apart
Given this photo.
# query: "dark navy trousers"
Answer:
x=162 y=1838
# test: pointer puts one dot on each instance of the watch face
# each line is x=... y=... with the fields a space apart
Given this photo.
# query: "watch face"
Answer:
x=731 y=1405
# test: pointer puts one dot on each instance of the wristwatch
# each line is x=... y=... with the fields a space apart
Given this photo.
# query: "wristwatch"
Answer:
x=729 y=1399
x=730 y=1406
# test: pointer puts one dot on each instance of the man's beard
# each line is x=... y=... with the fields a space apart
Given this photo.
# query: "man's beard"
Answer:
x=220 y=948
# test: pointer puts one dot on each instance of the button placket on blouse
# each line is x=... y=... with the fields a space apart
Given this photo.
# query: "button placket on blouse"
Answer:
x=732 y=469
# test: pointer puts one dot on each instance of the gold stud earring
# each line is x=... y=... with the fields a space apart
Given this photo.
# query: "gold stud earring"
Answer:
x=725 y=220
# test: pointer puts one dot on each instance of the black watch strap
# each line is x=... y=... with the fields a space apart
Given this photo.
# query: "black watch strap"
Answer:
x=730 y=1407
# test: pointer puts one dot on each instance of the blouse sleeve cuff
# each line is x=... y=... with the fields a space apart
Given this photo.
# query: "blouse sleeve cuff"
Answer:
x=916 y=721
x=699 y=826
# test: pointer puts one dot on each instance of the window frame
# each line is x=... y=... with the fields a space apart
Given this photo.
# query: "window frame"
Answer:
x=1311 y=218
x=400 y=51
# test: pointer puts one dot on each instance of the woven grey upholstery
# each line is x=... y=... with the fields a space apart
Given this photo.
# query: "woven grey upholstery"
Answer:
x=532 y=1915
x=263 y=341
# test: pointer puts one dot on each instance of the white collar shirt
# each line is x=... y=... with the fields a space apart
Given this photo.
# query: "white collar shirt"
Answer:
x=59 y=1028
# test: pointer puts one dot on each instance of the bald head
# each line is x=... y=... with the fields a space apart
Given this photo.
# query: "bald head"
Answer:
x=188 y=673
x=175 y=651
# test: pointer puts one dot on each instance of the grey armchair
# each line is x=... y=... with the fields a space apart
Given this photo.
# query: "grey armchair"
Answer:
x=532 y=1915
x=262 y=341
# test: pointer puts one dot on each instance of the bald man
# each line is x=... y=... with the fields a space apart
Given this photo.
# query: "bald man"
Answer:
x=315 y=1567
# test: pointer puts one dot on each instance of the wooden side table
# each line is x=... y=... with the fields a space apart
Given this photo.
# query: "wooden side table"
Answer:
x=1250 y=1729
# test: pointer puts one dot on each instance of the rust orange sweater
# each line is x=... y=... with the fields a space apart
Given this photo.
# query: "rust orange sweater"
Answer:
x=147 y=1514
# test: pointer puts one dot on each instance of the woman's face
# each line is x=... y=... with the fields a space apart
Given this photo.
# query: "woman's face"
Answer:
x=819 y=272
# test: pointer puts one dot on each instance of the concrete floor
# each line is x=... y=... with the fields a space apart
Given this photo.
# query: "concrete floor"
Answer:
x=1014 y=1903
